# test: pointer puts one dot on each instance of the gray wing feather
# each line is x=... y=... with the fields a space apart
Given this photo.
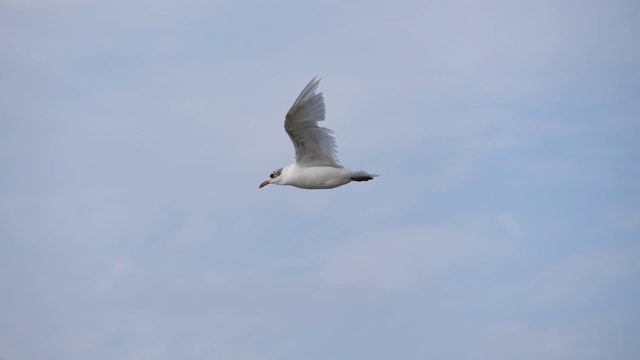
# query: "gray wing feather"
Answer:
x=314 y=145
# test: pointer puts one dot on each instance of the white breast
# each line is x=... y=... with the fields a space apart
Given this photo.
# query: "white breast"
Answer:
x=316 y=177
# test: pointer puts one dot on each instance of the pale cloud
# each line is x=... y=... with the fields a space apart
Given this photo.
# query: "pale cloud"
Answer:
x=517 y=340
x=582 y=279
x=69 y=4
x=593 y=337
x=397 y=258
x=135 y=133
x=42 y=4
x=632 y=222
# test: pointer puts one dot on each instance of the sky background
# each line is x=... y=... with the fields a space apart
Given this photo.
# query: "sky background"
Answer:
x=505 y=223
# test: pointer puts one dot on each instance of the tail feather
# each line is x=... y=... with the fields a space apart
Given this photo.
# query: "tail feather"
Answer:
x=362 y=176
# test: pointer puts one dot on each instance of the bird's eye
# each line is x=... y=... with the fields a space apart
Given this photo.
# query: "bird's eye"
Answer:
x=272 y=175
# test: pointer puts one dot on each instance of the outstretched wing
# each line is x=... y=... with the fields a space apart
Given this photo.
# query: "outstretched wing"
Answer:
x=315 y=146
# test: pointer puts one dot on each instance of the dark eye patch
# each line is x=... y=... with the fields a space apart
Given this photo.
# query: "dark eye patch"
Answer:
x=275 y=173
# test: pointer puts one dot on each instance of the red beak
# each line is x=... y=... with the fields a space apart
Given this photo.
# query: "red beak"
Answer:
x=264 y=183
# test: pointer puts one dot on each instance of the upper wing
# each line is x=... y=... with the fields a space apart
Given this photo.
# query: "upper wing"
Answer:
x=315 y=146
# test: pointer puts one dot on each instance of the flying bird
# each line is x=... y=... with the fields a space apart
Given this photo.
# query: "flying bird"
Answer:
x=316 y=165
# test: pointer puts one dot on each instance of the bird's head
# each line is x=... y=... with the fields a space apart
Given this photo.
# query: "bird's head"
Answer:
x=274 y=178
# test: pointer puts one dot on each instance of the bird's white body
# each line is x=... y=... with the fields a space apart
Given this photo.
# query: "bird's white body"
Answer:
x=316 y=165
x=316 y=177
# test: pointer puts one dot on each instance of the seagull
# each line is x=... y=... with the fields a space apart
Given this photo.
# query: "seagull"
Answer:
x=316 y=165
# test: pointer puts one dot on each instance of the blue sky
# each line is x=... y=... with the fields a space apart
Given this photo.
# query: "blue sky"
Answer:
x=505 y=223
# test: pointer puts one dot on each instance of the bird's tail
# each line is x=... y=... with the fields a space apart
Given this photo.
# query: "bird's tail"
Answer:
x=362 y=176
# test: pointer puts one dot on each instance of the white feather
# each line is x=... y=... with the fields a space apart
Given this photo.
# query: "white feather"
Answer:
x=314 y=145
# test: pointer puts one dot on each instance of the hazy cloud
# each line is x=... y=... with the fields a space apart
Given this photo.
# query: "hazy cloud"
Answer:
x=133 y=137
